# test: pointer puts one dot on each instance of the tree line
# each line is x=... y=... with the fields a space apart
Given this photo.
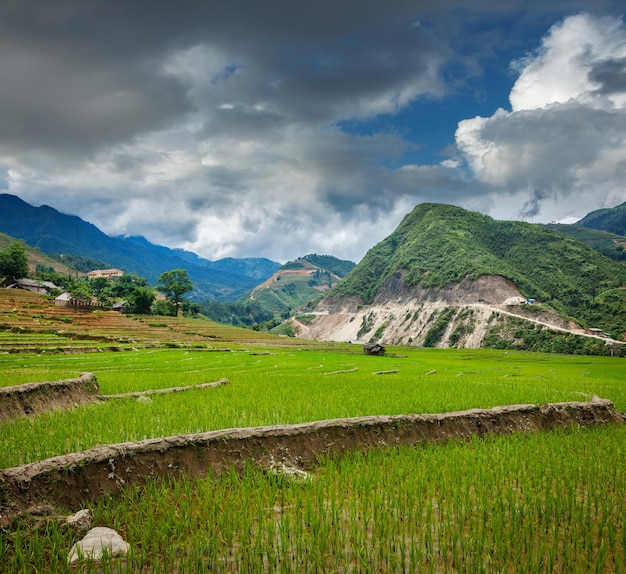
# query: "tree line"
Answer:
x=129 y=287
x=141 y=297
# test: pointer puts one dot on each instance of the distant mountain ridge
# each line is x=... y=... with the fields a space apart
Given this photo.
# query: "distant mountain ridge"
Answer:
x=54 y=232
x=612 y=220
x=449 y=268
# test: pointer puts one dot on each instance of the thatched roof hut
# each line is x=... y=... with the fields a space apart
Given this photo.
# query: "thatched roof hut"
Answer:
x=373 y=349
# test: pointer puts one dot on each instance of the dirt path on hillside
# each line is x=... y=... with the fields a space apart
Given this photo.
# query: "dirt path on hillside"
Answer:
x=344 y=324
x=402 y=315
x=71 y=480
x=580 y=332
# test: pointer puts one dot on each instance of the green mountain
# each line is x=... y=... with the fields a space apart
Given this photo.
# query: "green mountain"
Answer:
x=38 y=258
x=611 y=219
x=608 y=244
x=300 y=283
x=338 y=267
x=54 y=232
x=439 y=246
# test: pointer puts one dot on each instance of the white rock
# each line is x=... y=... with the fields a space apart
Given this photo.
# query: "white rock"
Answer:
x=96 y=543
x=82 y=520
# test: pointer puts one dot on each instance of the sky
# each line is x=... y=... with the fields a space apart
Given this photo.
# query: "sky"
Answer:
x=278 y=128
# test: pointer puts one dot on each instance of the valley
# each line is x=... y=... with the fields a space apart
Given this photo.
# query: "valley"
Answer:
x=250 y=472
x=393 y=457
x=446 y=277
x=312 y=287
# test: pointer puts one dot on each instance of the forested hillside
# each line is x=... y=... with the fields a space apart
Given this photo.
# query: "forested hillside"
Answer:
x=56 y=233
x=37 y=259
x=608 y=244
x=439 y=245
x=611 y=219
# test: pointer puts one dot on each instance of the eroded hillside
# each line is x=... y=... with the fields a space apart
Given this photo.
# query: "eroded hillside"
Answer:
x=450 y=277
x=459 y=315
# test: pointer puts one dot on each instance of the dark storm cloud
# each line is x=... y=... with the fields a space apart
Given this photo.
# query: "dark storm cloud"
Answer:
x=72 y=81
x=242 y=121
x=611 y=75
x=227 y=126
x=344 y=77
x=79 y=75
x=532 y=208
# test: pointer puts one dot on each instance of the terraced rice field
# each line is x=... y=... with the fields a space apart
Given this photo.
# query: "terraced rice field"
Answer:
x=43 y=327
x=547 y=502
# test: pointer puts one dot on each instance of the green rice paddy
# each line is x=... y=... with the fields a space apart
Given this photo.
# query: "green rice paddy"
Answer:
x=553 y=502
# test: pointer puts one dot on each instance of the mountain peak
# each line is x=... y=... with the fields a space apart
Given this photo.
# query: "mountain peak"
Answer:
x=612 y=220
x=438 y=247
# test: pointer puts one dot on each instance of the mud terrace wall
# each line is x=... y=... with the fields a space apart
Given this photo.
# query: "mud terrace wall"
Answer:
x=33 y=398
x=36 y=398
x=71 y=480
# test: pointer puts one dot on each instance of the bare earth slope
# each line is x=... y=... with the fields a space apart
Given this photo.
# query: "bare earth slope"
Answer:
x=444 y=266
x=403 y=315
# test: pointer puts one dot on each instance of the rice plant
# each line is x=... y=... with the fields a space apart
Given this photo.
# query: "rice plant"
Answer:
x=552 y=502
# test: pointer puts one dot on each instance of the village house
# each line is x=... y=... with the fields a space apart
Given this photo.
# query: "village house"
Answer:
x=42 y=287
x=63 y=300
x=67 y=300
x=593 y=331
x=107 y=273
x=374 y=349
x=120 y=306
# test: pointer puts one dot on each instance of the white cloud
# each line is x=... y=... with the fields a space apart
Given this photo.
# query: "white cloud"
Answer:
x=565 y=136
x=560 y=70
x=226 y=134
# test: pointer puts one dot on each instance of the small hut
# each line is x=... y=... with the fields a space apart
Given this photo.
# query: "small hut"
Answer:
x=120 y=306
x=63 y=300
x=373 y=349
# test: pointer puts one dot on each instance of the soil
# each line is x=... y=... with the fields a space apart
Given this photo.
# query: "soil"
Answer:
x=34 y=398
x=402 y=315
x=491 y=288
x=166 y=391
x=70 y=481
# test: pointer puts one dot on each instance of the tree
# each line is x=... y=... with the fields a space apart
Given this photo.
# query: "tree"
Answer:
x=81 y=290
x=173 y=284
x=142 y=297
x=14 y=261
x=125 y=286
x=190 y=309
x=99 y=286
x=162 y=307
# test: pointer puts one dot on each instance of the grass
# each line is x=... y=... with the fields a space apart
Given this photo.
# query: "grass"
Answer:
x=285 y=386
x=552 y=502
